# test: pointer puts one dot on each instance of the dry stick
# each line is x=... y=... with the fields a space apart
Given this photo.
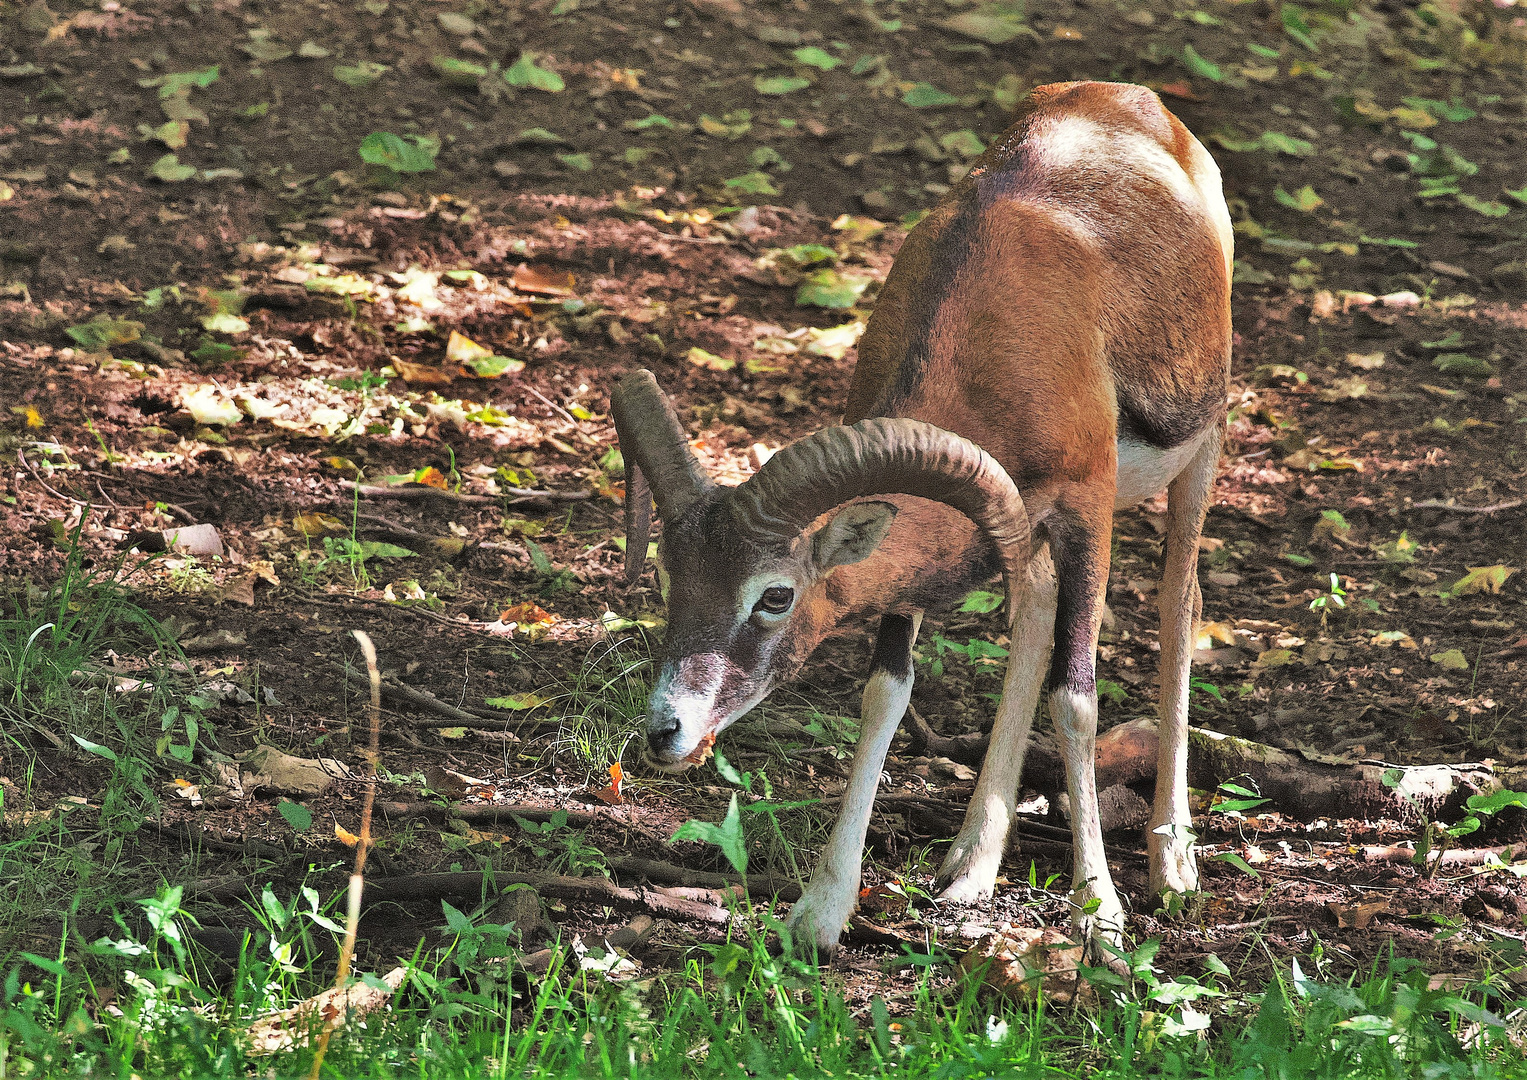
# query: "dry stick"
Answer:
x=1493 y=508
x=488 y=813
x=758 y=886
x=424 y=491
x=358 y=877
x=67 y=498
x=451 y=716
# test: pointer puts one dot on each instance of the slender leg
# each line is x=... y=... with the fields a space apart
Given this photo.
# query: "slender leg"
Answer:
x=817 y=918
x=1170 y=839
x=970 y=869
x=1081 y=558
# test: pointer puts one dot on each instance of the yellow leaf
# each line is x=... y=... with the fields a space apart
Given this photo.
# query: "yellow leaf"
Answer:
x=319 y=525
x=461 y=349
x=700 y=358
x=345 y=836
x=1209 y=633
x=1482 y=579
x=34 y=418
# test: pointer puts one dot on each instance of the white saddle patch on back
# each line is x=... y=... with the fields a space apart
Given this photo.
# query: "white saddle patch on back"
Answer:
x=1145 y=470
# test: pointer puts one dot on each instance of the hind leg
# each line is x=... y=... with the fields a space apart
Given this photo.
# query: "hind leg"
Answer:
x=1081 y=562
x=1169 y=843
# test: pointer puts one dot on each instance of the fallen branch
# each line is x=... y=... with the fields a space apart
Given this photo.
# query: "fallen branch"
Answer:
x=1399 y=853
x=1304 y=788
x=1125 y=753
x=662 y=903
x=486 y=813
x=759 y=886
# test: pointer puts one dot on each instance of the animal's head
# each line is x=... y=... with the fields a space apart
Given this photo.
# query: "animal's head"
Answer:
x=748 y=567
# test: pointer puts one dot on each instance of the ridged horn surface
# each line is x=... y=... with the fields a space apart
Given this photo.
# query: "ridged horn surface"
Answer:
x=884 y=456
x=659 y=462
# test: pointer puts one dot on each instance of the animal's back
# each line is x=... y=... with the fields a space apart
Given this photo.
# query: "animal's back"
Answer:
x=1093 y=231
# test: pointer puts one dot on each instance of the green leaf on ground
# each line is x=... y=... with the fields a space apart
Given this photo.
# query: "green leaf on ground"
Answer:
x=264 y=47
x=753 y=183
x=491 y=367
x=102 y=333
x=1456 y=363
x=1454 y=111
x=1304 y=200
x=709 y=360
x=995 y=24
x=820 y=59
x=830 y=288
x=1197 y=65
x=1272 y=141
x=1487 y=207
x=648 y=122
x=362 y=75
x=524 y=72
x=581 y=162
x=927 y=96
x=1295 y=27
x=540 y=135
x=1450 y=660
x=965 y=143
x=413 y=154
x=780 y=84
x=182 y=81
x=457 y=72
x=170 y=170
x=1482 y=579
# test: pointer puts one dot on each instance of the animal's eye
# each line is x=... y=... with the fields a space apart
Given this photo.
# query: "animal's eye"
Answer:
x=776 y=600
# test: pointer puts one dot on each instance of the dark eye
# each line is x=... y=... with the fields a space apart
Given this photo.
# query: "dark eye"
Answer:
x=776 y=600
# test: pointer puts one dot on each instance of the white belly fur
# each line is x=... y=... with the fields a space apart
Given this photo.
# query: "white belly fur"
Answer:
x=1144 y=470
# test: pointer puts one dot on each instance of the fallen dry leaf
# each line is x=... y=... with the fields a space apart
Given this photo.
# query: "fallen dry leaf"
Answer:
x=1356 y=916
x=542 y=281
x=1020 y=962
x=333 y=1009
x=611 y=795
x=422 y=373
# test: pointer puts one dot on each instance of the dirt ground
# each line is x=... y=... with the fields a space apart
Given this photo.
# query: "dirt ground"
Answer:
x=231 y=335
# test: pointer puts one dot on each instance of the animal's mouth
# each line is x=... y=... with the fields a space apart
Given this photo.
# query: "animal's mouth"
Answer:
x=698 y=756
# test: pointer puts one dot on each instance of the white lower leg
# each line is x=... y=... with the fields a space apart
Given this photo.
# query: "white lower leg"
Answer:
x=1076 y=720
x=1170 y=838
x=970 y=868
x=828 y=900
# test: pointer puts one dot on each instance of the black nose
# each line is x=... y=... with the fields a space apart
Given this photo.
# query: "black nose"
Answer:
x=659 y=736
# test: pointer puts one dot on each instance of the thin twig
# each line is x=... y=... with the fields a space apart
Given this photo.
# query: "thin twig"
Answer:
x=450 y=715
x=21 y=457
x=424 y=491
x=1493 y=508
x=358 y=875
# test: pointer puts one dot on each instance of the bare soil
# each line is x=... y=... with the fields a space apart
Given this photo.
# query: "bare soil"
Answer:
x=342 y=274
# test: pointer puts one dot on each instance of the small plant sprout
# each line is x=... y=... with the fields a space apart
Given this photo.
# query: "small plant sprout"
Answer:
x=1335 y=598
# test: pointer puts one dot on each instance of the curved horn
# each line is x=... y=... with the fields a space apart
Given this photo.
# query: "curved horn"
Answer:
x=656 y=452
x=884 y=456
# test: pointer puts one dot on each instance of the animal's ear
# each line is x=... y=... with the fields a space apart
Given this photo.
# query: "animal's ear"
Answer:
x=852 y=534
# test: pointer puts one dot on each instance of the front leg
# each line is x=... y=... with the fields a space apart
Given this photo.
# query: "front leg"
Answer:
x=970 y=868
x=816 y=920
